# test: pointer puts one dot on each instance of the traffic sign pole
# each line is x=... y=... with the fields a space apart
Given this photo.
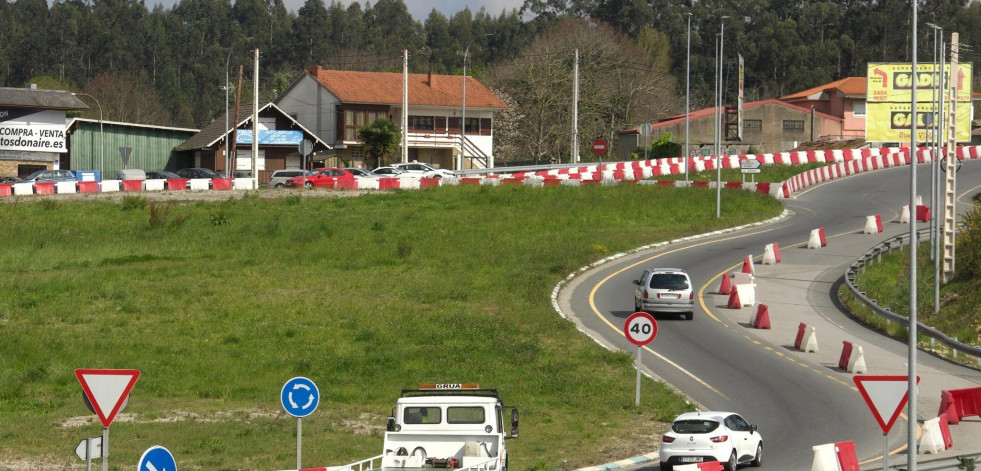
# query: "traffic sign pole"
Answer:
x=105 y=448
x=300 y=397
x=640 y=329
x=299 y=442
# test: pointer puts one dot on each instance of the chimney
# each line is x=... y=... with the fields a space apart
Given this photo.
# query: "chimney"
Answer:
x=429 y=80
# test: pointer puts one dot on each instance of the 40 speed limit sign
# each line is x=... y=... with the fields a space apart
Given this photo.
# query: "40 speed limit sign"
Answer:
x=640 y=328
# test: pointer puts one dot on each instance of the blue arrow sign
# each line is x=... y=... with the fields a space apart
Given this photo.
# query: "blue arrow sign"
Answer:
x=300 y=397
x=157 y=458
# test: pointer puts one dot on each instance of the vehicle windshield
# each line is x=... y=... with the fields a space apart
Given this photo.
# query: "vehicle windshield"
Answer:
x=33 y=175
x=694 y=426
x=672 y=281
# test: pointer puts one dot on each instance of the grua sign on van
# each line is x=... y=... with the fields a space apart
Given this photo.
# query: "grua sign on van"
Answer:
x=32 y=130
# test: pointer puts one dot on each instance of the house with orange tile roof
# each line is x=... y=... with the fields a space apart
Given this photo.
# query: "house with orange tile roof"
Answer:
x=843 y=98
x=335 y=103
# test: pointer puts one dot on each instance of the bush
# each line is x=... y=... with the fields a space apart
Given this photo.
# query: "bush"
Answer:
x=969 y=243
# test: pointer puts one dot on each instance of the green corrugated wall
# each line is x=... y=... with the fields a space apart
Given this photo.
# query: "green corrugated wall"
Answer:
x=153 y=149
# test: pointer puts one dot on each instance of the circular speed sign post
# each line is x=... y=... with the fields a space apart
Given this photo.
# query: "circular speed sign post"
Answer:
x=640 y=329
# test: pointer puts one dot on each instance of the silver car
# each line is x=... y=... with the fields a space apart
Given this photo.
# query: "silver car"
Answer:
x=665 y=290
x=279 y=177
x=424 y=170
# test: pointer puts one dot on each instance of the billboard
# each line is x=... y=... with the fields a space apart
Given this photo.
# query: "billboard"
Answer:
x=32 y=130
x=889 y=96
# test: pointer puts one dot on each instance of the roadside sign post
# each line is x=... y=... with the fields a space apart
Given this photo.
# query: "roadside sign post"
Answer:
x=300 y=397
x=157 y=458
x=88 y=449
x=645 y=130
x=107 y=392
x=750 y=166
x=599 y=148
x=640 y=329
x=885 y=396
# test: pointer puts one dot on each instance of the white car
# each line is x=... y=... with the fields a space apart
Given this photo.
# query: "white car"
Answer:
x=393 y=172
x=426 y=170
x=700 y=437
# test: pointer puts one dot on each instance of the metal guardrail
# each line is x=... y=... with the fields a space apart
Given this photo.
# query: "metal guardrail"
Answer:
x=965 y=462
x=875 y=254
x=523 y=168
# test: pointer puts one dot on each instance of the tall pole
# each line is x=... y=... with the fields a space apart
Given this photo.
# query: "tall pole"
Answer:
x=405 y=106
x=937 y=205
x=255 y=122
x=102 y=141
x=687 y=95
x=227 y=155
x=574 y=149
x=911 y=380
x=463 y=121
x=718 y=124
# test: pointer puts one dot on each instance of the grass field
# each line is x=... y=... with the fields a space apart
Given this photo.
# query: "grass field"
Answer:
x=218 y=304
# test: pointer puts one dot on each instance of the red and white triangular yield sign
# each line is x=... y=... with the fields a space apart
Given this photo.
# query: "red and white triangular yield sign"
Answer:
x=107 y=390
x=885 y=395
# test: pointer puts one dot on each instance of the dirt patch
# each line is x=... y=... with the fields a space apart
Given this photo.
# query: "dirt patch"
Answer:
x=235 y=415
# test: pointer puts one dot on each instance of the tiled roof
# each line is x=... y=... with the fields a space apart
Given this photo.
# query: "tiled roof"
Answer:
x=385 y=88
x=42 y=99
x=849 y=86
x=709 y=112
x=215 y=132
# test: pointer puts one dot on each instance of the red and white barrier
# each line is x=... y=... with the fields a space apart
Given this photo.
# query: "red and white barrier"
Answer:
x=709 y=466
x=748 y=265
x=839 y=456
x=725 y=287
x=852 y=358
x=734 y=301
x=806 y=340
x=960 y=403
x=933 y=440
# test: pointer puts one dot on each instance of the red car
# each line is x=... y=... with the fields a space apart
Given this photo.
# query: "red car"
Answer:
x=324 y=178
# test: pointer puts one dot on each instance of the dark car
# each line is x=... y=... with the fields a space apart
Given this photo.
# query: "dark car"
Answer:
x=42 y=176
x=9 y=179
x=164 y=175
x=198 y=172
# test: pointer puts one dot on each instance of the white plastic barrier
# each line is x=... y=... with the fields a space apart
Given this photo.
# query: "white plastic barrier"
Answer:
x=814 y=242
x=825 y=458
x=199 y=184
x=769 y=255
x=153 y=185
x=904 y=219
x=747 y=294
x=367 y=183
x=108 y=186
x=810 y=343
x=242 y=184
x=856 y=363
x=870 y=225
x=66 y=187
x=23 y=189
x=932 y=440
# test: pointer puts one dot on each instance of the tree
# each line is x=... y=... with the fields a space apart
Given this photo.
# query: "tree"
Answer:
x=381 y=140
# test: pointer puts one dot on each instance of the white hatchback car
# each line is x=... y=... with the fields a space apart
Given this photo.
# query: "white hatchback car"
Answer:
x=665 y=290
x=425 y=170
x=699 y=437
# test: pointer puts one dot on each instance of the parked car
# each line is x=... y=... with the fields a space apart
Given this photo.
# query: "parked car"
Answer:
x=242 y=174
x=9 y=179
x=393 y=172
x=164 y=175
x=279 y=177
x=698 y=437
x=43 y=176
x=130 y=174
x=198 y=172
x=426 y=170
x=360 y=172
x=323 y=177
x=665 y=290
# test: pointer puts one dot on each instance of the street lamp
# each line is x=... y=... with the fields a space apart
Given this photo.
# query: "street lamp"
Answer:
x=102 y=142
x=935 y=164
x=463 y=122
x=687 y=95
x=718 y=123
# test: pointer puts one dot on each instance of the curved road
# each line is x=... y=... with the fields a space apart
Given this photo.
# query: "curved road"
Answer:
x=717 y=363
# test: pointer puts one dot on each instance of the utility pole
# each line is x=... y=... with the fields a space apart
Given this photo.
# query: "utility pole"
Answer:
x=574 y=149
x=405 y=106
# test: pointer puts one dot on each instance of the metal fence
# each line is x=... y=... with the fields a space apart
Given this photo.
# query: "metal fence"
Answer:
x=875 y=255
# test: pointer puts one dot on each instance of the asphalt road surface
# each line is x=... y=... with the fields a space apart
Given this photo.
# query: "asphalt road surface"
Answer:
x=719 y=367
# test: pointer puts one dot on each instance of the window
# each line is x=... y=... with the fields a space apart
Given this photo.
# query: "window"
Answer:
x=357 y=152
x=354 y=119
x=793 y=125
x=421 y=123
x=422 y=415
x=473 y=125
x=464 y=415
x=858 y=110
x=755 y=125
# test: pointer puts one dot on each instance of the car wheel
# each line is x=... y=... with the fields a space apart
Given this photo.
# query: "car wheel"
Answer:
x=279 y=185
x=308 y=184
x=636 y=305
x=758 y=459
x=665 y=467
x=689 y=315
x=731 y=464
